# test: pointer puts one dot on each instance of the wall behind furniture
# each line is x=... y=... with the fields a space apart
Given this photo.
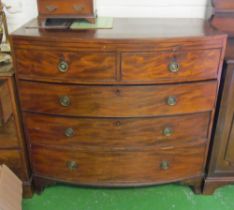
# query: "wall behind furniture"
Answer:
x=24 y=10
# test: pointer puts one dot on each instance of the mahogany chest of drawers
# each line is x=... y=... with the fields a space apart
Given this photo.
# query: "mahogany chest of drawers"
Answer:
x=129 y=106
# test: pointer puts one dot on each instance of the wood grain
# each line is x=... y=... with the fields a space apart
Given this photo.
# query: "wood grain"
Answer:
x=8 y=135
x=117 y=101
x=5 y=102
x=99 y=167
x=116 y=132
x=193 y=65
x=12 y=159
x=83 y=66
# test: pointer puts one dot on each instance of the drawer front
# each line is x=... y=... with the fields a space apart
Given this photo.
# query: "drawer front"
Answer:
x=12 y=159
x=170 y=67
x=119 y=132
x=68 y=7
x=117 y=101
x=118 y=167
x=66 y=67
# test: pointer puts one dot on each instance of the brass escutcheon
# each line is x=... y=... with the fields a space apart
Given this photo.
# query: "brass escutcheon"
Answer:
x=165 y=165
x=63 y=66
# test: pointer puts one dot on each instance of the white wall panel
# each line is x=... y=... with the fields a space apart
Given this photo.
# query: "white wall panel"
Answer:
x=122 y=8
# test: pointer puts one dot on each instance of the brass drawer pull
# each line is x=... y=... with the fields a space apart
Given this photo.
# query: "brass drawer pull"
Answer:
x=174 y=67
x=78 y=8
x=63 y=66
x=51 y=8
x=72 y=165
x=171 y=101
x=165 y=165
x=65 y=101
x=69 y=132
x=167 y=131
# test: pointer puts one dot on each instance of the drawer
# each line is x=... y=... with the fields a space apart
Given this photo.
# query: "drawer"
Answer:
x=12 y=159
x=66 y=67
x=170 y=67
x=117 y=101
x=99 y=167
x=68 y=7
x=115 y=132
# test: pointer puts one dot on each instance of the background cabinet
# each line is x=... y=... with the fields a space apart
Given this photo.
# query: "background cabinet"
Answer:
x=12 y=145
x=221 y=166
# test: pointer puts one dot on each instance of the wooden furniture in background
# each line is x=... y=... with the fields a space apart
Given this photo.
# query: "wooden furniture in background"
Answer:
x=223 y=16
x=221 y=167
x=129 y=106
x=69 y=9
x=12 y=144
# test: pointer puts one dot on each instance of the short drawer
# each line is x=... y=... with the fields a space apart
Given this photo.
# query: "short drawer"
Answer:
x=163 y=67
x=117 y=101
x=68 y=7
x=116 y=168
x=12 y=159
x=115 y=132
x=66 y=66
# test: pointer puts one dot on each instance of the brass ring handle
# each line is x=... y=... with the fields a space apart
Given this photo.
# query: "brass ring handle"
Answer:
x=65 y=101
x=174 y=67
x=165 y=165
x=51 y=8
x=167 y=131
x=72 y=165
x=69 y=132
x=63 y=66
x=171 y=101
x=78 y=8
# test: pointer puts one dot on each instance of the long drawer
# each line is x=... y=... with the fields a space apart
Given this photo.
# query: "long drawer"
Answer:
x=117 y=101
x=100 y=167
x=115 y=132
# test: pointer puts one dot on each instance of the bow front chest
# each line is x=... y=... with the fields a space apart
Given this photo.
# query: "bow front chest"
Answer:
x=128 y=106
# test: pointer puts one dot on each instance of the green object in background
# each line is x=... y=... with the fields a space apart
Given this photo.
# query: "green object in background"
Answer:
x=164 y=197
x=101 y=23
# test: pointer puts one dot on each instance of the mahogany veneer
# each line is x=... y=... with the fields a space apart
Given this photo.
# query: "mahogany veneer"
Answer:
x=128 y=106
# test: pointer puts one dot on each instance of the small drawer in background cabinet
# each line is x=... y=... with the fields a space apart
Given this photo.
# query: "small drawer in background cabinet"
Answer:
x=68 y=7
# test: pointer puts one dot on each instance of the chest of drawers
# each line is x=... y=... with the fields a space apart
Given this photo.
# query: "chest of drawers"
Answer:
x=130 y=106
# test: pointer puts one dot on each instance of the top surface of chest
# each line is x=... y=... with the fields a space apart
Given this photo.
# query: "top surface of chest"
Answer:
x=125 y=30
